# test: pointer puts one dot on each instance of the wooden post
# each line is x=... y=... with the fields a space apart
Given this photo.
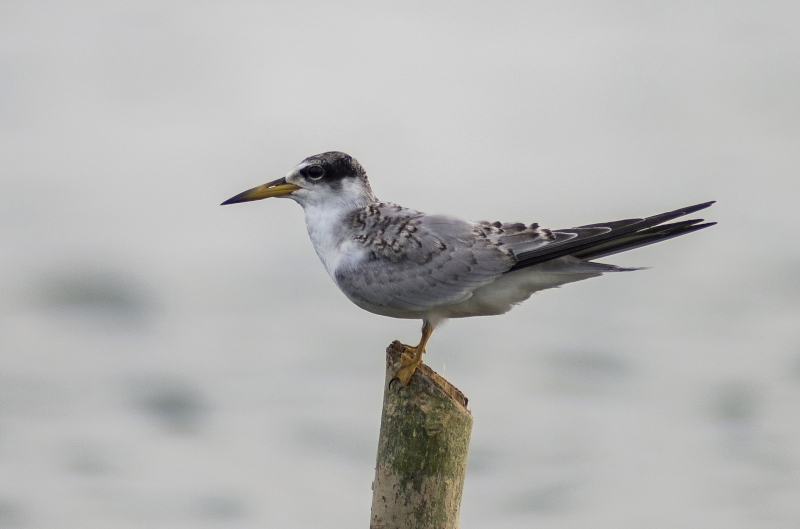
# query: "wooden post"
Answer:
x=422 y=451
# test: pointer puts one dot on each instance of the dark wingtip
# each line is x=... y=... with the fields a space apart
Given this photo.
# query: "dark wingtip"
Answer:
x=697 y=227
x=706 y=225
x=698 y=207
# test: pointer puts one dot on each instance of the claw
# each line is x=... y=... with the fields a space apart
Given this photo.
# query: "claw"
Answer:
x=404 y=374
x=408 y=365
x=411 y=359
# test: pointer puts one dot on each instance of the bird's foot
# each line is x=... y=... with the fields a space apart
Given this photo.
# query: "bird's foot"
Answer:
x=410 y=360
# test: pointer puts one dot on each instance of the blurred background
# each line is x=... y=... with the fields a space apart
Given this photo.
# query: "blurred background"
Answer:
x=165 y=362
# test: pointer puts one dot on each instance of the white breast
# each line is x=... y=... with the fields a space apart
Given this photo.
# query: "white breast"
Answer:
x=331 y=237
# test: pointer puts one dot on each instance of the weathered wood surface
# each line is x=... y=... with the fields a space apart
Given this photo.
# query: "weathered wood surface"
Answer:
x=422 y=451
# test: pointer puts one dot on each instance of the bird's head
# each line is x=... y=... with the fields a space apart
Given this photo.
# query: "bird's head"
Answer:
x=331 y=179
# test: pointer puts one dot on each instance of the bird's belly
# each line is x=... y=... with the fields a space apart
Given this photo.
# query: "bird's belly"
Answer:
x=508 y=290
x=382 y=310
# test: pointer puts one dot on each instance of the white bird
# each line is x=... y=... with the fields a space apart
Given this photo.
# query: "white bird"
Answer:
x=398 y=262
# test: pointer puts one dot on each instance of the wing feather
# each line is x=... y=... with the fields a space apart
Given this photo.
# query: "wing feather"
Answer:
x=584 y=242
x=418 y=261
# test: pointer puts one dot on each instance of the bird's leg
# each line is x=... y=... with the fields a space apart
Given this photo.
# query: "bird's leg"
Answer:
x=412 y=357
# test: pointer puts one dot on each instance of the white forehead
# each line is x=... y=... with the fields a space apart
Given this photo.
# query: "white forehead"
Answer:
x=299 y=167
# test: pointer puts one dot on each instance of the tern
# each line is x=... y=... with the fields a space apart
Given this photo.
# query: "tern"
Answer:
x=398 y=262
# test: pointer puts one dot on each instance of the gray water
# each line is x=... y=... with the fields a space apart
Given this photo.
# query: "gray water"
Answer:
x=165 y=362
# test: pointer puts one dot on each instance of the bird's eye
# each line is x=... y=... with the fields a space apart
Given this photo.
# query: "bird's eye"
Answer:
x=315 y=172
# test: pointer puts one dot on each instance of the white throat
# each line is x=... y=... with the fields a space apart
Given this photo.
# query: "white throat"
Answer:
x=327 y=222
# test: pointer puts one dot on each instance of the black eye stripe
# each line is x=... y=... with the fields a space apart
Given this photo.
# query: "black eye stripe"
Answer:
x=315 y=172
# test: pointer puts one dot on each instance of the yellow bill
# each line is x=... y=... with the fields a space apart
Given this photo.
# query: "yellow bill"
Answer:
x=276 y=188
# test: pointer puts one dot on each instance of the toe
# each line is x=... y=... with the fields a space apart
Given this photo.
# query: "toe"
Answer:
x=404 y=374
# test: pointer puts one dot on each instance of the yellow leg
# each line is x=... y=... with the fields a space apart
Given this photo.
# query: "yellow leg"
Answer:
x=412 y=358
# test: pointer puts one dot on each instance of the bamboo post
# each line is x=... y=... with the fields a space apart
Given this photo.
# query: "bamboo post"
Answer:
x=422 y=451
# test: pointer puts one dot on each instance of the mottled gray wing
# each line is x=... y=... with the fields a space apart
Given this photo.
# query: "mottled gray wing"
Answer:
x=417 y=261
